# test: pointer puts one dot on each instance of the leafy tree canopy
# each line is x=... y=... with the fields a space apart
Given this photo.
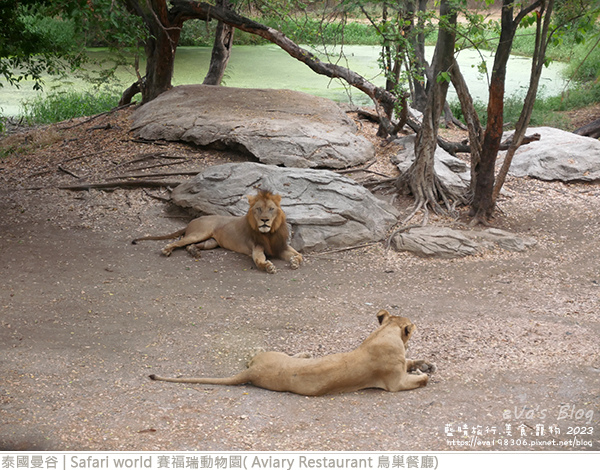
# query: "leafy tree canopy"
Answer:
x=48 y=37
x=37 y=37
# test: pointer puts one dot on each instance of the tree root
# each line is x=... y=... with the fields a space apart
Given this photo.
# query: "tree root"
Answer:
x=430 y=195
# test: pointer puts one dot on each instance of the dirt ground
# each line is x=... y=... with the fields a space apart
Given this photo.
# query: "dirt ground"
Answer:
x=85 y=317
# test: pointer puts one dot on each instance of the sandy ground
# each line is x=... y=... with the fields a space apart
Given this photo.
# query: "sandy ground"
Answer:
x=85 y=317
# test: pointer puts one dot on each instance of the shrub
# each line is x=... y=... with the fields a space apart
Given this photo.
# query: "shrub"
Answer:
x=62 y=105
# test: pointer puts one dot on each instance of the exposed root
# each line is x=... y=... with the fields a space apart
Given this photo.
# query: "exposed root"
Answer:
x=478 y=220
x=432 y=195
x=416 y=208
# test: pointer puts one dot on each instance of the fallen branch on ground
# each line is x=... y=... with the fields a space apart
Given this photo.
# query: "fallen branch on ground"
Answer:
x=156 y=175
x=122 y=185
x=68 y=172
x=349 y=248
x=90 y=119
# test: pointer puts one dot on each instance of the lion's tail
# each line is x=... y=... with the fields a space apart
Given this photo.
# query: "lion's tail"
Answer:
x=161 y=237
x=241 y=378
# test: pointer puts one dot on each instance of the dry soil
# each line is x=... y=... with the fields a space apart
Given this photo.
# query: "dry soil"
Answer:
x=85 y=317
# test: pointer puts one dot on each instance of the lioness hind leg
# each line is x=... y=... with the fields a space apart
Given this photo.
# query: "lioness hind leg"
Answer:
x=255 y=352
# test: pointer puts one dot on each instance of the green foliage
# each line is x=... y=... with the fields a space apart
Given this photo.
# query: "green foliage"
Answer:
x=304 y=30
x=547 y=111
x=62 y=105
x=37 y=37
x=197 y=33
x=48 y=37
x=443 y=77
x=107 y=23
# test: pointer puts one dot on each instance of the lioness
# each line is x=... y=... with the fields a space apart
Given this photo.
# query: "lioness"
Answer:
x=379 y=362
x=260 y=233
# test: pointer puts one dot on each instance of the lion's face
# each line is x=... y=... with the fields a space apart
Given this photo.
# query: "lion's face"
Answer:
x=407 y=328
x=265 y=214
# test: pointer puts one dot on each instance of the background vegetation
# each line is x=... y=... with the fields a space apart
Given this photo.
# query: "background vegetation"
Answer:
x=57 y=35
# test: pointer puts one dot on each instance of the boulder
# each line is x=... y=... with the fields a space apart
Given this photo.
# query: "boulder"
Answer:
x=278 y=127
x=443 y=242
x=558 y=155
x=453 y=172
x=324 y=209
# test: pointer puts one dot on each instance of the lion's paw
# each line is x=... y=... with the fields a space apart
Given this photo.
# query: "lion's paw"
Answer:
x=423 y=367
x=427 y=367
x=303 y=355
x=253 y=353
x=295 y=261
x=270 y=267
x=194 y=251
x=166 y=251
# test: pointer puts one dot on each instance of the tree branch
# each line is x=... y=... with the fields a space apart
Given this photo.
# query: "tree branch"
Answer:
x=188 y=9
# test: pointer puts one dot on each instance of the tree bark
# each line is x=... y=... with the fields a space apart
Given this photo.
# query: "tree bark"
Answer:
x=541 y=43
x=221 y=50
x=483 y=204
x=160 y=46
x=420 y=64
x=421 y=178
x=472 y=121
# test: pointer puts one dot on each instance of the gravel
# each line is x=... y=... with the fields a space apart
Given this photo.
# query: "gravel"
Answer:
x=86 y=316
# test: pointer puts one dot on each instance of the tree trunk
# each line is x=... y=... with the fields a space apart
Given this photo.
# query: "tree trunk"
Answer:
x=164 y=31
x=483 y=203
x=221 y=50
x=420 y=64
x=421 y=178
x=537 y=66
x=160 y=56
x=483 y=186
x=471 y=118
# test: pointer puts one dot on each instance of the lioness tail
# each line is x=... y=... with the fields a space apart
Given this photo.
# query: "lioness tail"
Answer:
x=238 y=379
x=160 y=237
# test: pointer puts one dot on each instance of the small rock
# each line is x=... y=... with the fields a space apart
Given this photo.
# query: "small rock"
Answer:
x=444 y=242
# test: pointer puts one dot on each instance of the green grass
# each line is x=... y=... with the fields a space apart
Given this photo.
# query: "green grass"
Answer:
x=62 y=105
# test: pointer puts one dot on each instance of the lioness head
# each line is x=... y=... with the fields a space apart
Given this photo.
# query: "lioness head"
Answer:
x=407 y=328
x=265 y=214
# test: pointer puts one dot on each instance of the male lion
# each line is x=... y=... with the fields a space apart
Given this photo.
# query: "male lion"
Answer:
x=379 y=362
x=260 y=233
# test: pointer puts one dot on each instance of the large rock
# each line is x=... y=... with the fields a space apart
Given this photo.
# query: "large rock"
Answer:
x=443 y=242
x=324 y=209
x=558 y=155
x=453 y=172
x=278 y=127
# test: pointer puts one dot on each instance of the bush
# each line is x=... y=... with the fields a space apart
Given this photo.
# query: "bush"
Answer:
x=305 y=31
x=62 y=105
